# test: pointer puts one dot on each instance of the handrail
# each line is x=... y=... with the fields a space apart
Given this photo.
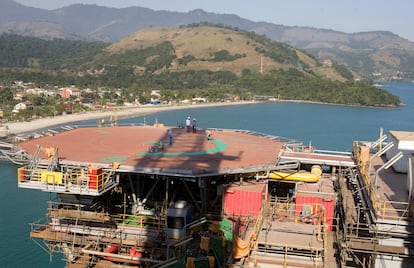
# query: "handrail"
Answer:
x=385 y=209
x=290 y=212
x=70 y=179
x=286 y=248
x=140 y=221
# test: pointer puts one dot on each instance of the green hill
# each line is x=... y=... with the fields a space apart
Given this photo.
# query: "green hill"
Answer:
x=204 y=61
x=215 y=49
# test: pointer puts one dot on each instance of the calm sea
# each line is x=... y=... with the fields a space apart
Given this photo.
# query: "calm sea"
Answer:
x=329 y=127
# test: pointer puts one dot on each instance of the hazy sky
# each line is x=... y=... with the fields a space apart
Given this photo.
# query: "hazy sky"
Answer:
x=348 y=16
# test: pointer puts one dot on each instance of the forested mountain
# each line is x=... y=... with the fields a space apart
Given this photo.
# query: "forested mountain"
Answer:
x=193 y=61
x=367 y=53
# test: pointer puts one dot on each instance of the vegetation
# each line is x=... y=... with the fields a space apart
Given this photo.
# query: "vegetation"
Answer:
x=343 y=71
x=224 y=55
x=30 y=52
x=277 y=51
x=59 y=63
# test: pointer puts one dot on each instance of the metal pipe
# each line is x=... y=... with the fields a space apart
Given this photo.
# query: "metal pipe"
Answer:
x=379 y=153
x=119 y=256
x=388 y=164
x=259 y=177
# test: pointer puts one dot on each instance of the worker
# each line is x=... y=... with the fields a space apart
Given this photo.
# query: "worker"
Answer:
x=187 y=124
x=194 y=125
x=170 y=136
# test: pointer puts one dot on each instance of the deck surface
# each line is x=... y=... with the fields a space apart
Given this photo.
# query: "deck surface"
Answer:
x=391 y=189
x=288 y=234
x=190 y=153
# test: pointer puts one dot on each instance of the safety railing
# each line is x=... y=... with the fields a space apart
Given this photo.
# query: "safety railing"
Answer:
x=75 y=180
x=289 y=211
x=385 y=209
x=392 y=210
x=290 y=252
x=286 y=211
x=140 y=221
x=325 y=238
x=72 y=211
x=299 y=148
x=64 y=219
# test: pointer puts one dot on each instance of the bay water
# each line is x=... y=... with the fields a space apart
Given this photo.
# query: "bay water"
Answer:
x=328 y=127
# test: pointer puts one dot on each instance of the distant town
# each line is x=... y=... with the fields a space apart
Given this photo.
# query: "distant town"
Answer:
x=26 y=101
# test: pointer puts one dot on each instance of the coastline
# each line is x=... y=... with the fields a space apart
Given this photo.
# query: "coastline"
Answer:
x=13 y=128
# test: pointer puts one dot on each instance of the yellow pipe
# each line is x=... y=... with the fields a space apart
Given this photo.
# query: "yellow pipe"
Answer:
x=312 y=176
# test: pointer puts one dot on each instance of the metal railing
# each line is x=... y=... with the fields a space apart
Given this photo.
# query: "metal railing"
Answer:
x=70 y=180
x=140 y=221
x=290 y=252
x=287 y=211
x=385 y=209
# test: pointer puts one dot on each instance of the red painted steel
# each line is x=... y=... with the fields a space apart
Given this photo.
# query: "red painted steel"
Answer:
x=244 y=201
x=95 y=178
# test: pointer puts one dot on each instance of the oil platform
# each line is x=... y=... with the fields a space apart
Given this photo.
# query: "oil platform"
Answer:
x=136 y=196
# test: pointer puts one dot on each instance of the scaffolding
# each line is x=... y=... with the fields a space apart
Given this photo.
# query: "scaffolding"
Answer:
x=86 y=237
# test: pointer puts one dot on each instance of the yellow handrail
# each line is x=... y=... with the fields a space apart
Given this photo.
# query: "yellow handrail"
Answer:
x=140 y=221
x=385 y=209
x=74 y=178
x=290 y=213
x=314 y=252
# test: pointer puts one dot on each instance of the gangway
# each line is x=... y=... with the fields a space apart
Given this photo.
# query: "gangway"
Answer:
x=14 y=154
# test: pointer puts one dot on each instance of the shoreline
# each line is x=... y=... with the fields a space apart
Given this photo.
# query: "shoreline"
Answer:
x=14 y=128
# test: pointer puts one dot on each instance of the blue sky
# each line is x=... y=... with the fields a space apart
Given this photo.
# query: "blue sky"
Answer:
x=347 y=16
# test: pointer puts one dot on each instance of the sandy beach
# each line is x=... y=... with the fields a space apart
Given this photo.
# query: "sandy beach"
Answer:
x=11 y=128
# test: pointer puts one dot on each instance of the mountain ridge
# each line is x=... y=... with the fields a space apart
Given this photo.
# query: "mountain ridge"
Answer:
x=217 y=63
x=358 y=51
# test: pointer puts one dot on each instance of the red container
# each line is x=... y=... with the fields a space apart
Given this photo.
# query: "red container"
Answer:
x=243 y=201
x=94 y=171
x=94 y=177
x=310 y=204
x=22 y=174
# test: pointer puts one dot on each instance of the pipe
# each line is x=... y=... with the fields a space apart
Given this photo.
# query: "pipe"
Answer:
x=259 y=177
x=312 y=176
x=118 y=256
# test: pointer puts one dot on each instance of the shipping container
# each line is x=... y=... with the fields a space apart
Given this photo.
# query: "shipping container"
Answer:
x=245 y=200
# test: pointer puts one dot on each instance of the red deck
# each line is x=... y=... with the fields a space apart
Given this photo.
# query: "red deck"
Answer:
x=190 y=152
